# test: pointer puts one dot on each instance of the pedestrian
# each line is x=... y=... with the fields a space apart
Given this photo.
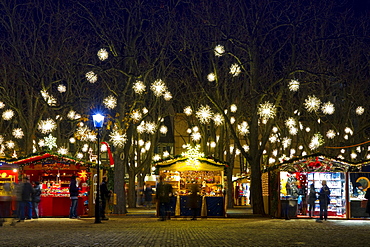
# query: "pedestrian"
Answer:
x=26 y=203
x=324 y=198
x=311 y=201
x=194 y=200
x=36 y=198
x=148 y=192
x=163 y=195
x=367 y=196
x=73 y=192
x=104 y=195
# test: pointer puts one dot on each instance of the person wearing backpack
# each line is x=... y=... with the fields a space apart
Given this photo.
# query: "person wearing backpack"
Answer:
x=36 y=198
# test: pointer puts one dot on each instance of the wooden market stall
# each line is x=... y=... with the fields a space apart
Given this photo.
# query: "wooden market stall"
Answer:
x=54 y=173
x=8 y=180
x=208 y=174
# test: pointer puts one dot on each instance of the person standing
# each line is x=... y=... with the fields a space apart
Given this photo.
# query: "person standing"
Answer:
x=26 y=203
x=36 y=198
x=311 y=200
x=163 y=195
x=194 y=200
x=148 y=192
x=104 y=195
x=324 y=198
x=73 y=192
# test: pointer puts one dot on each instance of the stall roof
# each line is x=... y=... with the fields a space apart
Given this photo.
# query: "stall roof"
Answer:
x=35 y=157
x=318 y=163
x=190 y=164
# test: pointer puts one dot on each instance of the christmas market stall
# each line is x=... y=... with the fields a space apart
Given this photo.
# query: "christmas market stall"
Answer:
x=346 y=181
x=54 y=172
x=192 y=170
x=8 y=180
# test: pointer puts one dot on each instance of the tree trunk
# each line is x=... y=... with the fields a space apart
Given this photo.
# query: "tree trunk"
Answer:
x=119 y=185
x=131 y=189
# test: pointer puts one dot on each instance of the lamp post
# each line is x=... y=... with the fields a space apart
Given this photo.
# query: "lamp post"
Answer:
x=98 y=123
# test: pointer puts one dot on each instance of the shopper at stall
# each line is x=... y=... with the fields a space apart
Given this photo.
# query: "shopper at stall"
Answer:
x=104 y=195
x=324 y=197
x=73 y=191
x=311 y=198
x=36 y=198
x=194 y=200
x=26 y=203
x=148 y=192
x=163 y=195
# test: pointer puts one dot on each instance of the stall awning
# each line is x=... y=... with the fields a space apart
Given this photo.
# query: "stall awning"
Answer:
x=47 y=157
x=188 y=164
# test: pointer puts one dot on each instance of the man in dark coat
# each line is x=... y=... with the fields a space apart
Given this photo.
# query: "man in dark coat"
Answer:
x=104 y=194
x=26 y=203
x=73 y=192
x=324 y=198
x=163 y=195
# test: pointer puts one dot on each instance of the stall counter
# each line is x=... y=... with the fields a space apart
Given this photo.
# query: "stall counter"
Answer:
x=59 y=206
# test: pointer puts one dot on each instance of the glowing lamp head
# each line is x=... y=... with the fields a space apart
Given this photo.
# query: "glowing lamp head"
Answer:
x=98 y=120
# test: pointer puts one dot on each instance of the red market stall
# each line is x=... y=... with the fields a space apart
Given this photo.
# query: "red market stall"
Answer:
x=54 y=173
x=8 y=180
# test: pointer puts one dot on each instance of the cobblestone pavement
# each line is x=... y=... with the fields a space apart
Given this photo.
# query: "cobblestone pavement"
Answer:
x=148 y=231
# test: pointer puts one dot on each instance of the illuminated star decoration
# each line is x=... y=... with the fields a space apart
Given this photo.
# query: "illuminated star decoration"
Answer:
x=316 y=141
x=330 y=134
x=91 y=76
x=50 y=141
x=110 y=102
x=10 y=144
x=73 y=115
x=266 y=110
x=163 y=129
x=118 y=138
x=294 y=85
x=167 y=96
x=139 y=87
x=136 y=115
x=18 y=133
x=360 y=110
x=195 y=136
x=290 y=122
x=211 y=77
x=47 y=126
x=102 y=54
x=235 y=69
x=243 y=128
x=150 y=127
x=286 y=142
x=62 y=88
x=82 y=175
x=62 y=150
x=233 y=108
x=312 y=103
x=188 y=111
x=8 y=114
x=219 y=50
x=328 y=108
x=218 y=119
x=2 y=105
x=158 y=87
x=204 y=114
x=50 y=100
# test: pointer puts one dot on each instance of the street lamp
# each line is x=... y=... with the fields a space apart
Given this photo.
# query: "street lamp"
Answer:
x=98 y=120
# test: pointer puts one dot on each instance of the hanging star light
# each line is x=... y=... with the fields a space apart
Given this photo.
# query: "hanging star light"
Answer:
x=266 y=110
x=91 y=77
x=71 y=115
x=286 y=142
x=50 y=141
x=218 y=119
x=156 y=157
x=233 y=108
x=243 y=128
x=290 y=122
x=2 y=105
x=82 y=133
x=47 y=126
x=235 y=69
x=136 y=115
x=110 y=102
x=50 y=100
x=328 y=108
x=80 y=155
x=82 y=175
x=167 y=96
x=294 y=85
x=139 y=87
x=62 y=88
x=211 y=77
x=163 y=129
x=312 y=103
x=141 y=128
x=196 y=136
x=316 y=141
x=158 y=87
x=62 y=151
x=348 y=130
x=246 y=147
x=10 y=144
x=271 y=160
x=118 y=138
x=8 y=114
x=1 y=139
x=204 y=114
x=273 y=138
x=150 y=127
x=219 y=50
x=102 y=54
x=18 y=133
x=360 y=110
x=330 y=134
x=188 y=111
x=293 y=131
x=144 y=110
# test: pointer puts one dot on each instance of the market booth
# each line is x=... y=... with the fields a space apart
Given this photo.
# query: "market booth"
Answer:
x=8 y=180
x=346 y=181
x=208 y=174
x=54 y=173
